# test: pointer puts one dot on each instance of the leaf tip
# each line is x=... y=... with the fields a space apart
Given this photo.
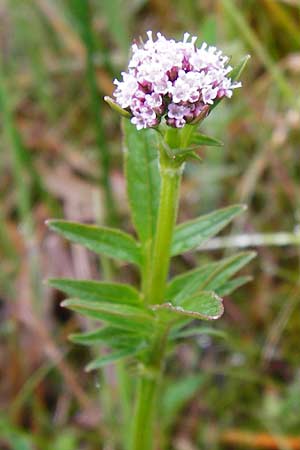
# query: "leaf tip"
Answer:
x=65 y=303
x=89 y=367
x=50 y=281
x=114 y=106
x=49 y=222
x=52 y=223
x=252 y=254
x=243 y=207
x=72 y=337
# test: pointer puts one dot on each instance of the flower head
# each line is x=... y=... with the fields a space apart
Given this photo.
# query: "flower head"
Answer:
x=174 y=80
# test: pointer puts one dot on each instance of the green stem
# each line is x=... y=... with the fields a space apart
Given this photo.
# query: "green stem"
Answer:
x=170 y=182
x=154 y=285
x=143 y=430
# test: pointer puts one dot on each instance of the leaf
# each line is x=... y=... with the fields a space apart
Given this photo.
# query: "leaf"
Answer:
x=97 y=290
x=203 y=306
x=194 y=331
x=108 y=241
x=226 y=269
x=196 y=232
x=111 y=336
x=112 y=358
x=211 y=276
x=196 y=140
x=143 y=179
x=202 y=139
x=232 y=285
x=188 y=283
x=237 y=71
x=194 y=156
x=235 y=74
x=126 y=317
x=115 y=107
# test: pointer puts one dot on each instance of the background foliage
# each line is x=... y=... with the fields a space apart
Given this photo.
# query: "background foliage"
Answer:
x=61 y=157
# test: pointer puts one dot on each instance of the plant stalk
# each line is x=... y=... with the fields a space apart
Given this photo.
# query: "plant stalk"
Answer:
x=142 y=437
x=168 y=205
x=143 y=430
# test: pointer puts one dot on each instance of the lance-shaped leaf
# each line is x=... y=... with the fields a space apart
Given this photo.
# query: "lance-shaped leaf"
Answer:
x=189 y=282
x=108 y=335
x=112 y=358
x=143 y=179
x=196 y=232
x=108 y=241
x=237 y=71
x=196 y=331
x=230 y=286
x=114 y=106
x=211 y=276
x=196 y=141
x=235 y=75
x=227 y=269
x=202 y=139
x=97 y=290
x=126 y=317
x=203 y=305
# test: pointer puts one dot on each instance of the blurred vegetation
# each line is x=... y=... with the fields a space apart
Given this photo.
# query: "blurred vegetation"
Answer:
x=61 y=157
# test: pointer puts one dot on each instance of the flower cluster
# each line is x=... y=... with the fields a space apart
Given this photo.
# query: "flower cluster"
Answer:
x=175 y=80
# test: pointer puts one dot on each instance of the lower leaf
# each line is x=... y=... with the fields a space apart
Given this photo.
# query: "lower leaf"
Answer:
x=111 y=358
x=108 y=335
x=126 y=317
x=196 y=331
x=203 y=306
x=232 y=285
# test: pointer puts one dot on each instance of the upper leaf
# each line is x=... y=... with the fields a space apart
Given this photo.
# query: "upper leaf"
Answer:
x=111 y=102
x=143 y=179
x=234 y=74
x=193 y=233
x=108 y=241
x=97 y=290
x=237 y=71
x=202 y=139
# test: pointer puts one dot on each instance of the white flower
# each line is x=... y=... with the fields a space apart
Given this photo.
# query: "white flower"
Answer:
x=174 y=80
